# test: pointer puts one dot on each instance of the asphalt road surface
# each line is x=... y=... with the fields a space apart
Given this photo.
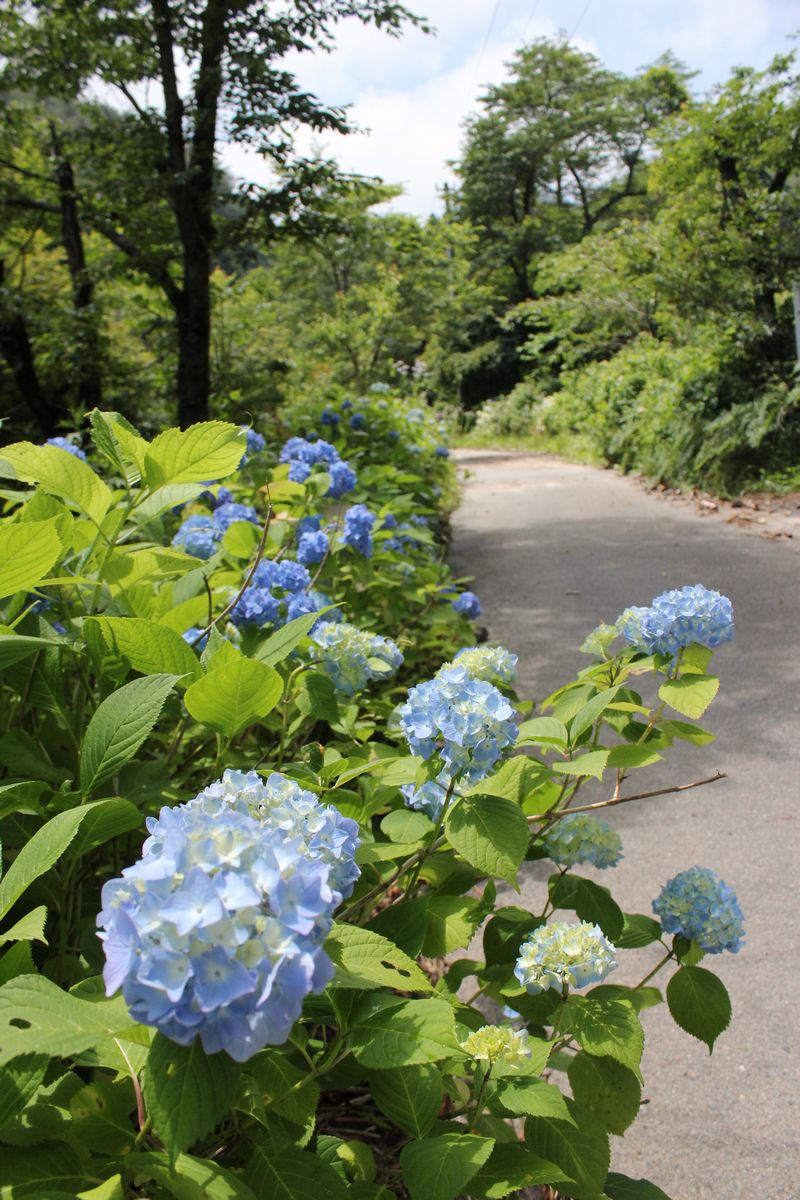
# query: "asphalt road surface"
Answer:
x=554 y=550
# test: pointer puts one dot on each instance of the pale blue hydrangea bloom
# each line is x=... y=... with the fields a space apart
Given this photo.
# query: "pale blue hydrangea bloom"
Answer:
x=217 y=931
x=343 y=479
x=581 y=838
x=699 y=906
x=353 y=657
x=312 y=547
x=562 y=955
x=255 y=441
x=303 y=455
x=468 y=605
x=228 y=513
x=198 y=535
x=492 y=663
x=679 y=618
x=428 y=798
x=357 y=532
x=62 y=443
x=466 y=721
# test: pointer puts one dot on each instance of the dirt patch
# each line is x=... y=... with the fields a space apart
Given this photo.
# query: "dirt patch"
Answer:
x=776 y=518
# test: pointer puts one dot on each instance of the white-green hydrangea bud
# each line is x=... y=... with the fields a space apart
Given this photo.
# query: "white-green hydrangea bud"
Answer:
x=504 y=1048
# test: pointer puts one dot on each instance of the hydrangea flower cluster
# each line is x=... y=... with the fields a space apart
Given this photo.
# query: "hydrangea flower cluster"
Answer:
x=563 y=955
x=678 y=618
x=428 y=798
x=198 y=535
x=442 y=452
x=312 y=547
x=501 y=1047
x=228 y=512
x=303 y=455
x=581 y=838
x=699 y=906
x=255 y=441
x=330 y=417
x=277 y=593
x=357 y=532
x=466 y=721
x=63 y=443
x=217 y=931
x=468 y=605
x=358 y=421
x=352 y=656
x=492 y=663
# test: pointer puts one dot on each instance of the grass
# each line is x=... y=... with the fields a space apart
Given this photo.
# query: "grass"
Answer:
x=574 y=449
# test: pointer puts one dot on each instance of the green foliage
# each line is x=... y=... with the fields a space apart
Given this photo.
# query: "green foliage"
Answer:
x=132 y=687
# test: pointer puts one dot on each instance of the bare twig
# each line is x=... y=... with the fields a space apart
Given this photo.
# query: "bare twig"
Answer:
x=615 y=799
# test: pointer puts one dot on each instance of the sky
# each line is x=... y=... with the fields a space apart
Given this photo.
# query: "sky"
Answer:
x=410 y=95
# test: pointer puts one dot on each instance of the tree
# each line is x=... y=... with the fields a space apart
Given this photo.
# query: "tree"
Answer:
x=229 y=52
x=562 y=146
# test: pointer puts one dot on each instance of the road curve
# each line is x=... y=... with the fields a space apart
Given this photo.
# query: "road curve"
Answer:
x=555 y=549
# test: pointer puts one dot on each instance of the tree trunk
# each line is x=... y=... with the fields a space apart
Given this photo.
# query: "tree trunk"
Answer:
x=17 y=350
x=88 y=379
x=194 y=336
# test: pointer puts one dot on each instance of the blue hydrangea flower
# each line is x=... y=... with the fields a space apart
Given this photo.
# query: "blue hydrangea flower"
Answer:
x=492 y=663
x=285 y=574
x=227 y=514
x=352 y=657
x=256 y=606
x=442 y=452
x=468 y=605
x=223 y=496
x=358 y=421
x=308 y=525
x=428 y=798
x=357 y=533
x=564 y=955
x=198 y=535
x=329 y=417
x=312 y=547
x=699 y=906
x=63 y=443
x=389 y=521
x=217 y=931
x=393 y=435
x=420 y=521
x=343 y=479
x=255 y=441
x=466 y=721
x=580 y=838
x=679 y=618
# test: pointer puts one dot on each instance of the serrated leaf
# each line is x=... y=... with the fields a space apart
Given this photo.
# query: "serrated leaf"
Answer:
x=119 y=726
x=37 y=1017
x=190 y=1178
x=699 y=1003
x=633 y=756
x=316 y=696
x=592 y=764
x=638 y=930
x=280 y=644
x=19 y=1081
x=395 y=772
x=364 y=959
x=490 y=833
x=147 y=646
x=292 y=1174
x=171 y=495
x=590 y=901
x=110 y=1189
x=439 y=1168
x=406 y=825
x=59 y=474
x=606 y=1089
x=285 y=1089
x=606 y=1028
x=27 y=552
x=39 y=854
x=117 y=439
x=620 y=1187
x=233 y=696
x=591 y=712
x=452 y=921
x=690 y=695
x=187 y=1092
x=688 y=733
x=580 y=1149
x=53 y=1170
x=410 y=1097
x=14 y=647
x=388 y=1032
x=511 y=1167
x=210 y=450
x=534 y=1098
x=542 y=731
x=29 y=928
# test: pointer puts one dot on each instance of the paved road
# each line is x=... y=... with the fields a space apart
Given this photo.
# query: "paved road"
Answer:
x=555 y=549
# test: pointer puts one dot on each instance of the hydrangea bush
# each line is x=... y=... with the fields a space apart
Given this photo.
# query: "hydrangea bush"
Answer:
x=259 y=790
